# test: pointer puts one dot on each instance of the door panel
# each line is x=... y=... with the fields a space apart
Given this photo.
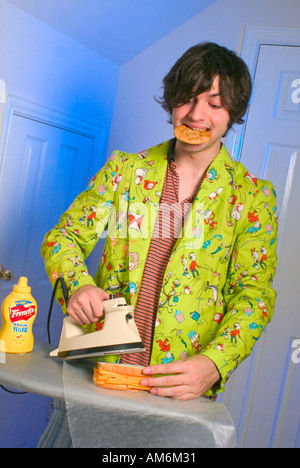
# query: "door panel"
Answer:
x=262 y=396
x=43 y=168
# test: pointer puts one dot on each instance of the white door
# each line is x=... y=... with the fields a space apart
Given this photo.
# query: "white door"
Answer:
x=263 y=396
x=42 y=169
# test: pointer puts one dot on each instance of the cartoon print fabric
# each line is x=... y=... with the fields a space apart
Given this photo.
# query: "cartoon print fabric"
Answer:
x=217 y=295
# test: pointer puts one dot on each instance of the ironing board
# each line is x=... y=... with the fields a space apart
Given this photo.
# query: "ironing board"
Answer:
x=108 y=418
x=33 y=372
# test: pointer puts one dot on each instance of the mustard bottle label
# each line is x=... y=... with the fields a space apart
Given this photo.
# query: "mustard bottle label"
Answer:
x=23 y=310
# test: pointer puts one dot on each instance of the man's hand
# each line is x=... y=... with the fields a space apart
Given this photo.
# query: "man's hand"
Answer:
x=85 y=305
x=184 y=379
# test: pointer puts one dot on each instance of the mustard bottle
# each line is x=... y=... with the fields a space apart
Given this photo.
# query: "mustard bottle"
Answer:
x=18 y=314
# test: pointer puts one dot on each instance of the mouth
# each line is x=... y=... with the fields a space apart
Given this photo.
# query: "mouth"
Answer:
x=200 y=129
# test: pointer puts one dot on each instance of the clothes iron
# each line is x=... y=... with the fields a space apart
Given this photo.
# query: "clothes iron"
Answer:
x=119 y=334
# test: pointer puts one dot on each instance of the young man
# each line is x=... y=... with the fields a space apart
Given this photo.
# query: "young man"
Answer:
x=201 y=300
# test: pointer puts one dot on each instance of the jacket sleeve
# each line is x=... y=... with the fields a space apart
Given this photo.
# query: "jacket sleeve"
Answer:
x=249 y=297
x=66 y=247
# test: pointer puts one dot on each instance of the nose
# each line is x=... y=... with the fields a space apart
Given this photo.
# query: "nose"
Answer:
x=197 y=110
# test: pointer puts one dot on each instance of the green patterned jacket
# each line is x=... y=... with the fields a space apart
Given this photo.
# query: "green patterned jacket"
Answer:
x=217 y=295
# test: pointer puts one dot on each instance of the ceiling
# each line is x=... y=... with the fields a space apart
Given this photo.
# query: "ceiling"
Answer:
x=116 y=29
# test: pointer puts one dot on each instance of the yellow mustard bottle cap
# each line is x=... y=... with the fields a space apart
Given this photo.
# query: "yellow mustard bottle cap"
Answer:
x=22 y=285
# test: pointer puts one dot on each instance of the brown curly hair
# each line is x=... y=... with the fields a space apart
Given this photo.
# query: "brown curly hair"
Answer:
x=195 y=72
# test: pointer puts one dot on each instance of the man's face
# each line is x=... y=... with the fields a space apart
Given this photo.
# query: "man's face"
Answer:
x=204 y=111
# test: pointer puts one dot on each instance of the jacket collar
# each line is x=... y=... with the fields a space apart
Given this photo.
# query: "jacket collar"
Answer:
x=221 y=167
x=171 y=153
x=220 y=171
